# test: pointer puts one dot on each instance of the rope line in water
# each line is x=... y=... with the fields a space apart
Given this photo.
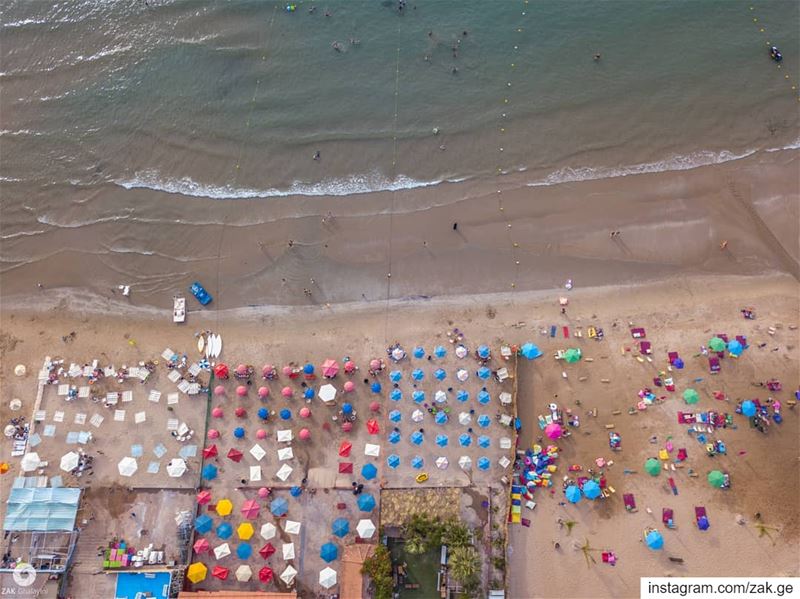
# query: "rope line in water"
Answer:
x=763 y=29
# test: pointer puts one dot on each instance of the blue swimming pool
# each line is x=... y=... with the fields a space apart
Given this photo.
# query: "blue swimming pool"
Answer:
x=131 y=584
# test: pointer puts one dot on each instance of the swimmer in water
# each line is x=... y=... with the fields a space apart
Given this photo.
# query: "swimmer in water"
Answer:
x=596 y=57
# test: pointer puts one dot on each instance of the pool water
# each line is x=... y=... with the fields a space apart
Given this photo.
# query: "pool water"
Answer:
x=130 y=584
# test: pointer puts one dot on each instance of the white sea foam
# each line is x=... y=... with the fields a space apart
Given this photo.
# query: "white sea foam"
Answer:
x=674 y=163
x=355 y=184
x=795 y=145
x=23 y=23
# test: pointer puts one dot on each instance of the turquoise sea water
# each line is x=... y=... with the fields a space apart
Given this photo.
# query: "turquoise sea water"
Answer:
x=232 y=99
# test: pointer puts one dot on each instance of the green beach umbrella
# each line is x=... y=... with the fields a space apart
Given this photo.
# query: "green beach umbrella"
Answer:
x=572 y=355
x=716 y=344
x=690 y=396
x=716 y=478
x=652 y=467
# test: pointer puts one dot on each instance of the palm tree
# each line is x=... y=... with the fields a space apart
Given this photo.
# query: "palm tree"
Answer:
x=587 y=549
x=569 y=524
x=463 y=564
x=764 y=530
x=455 y=534
x=415 y=545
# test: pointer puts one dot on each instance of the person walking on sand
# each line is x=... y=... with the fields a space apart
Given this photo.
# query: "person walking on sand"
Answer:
x=455 y=226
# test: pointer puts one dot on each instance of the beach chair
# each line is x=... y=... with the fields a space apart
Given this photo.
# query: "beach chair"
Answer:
x=638 y=333
x=559 y=355
x=701 y=518
x=667 y=517
x=630 y=503
x=592 y=332
x=682 y=455
x=609 y=557
x=645 y=347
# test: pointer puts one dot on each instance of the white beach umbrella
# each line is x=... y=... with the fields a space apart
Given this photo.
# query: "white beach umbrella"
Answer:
x=285 y=453
x=176 y=467
x=292 y=527
x=440 y=396
x=285 y=436
x=284 y=472
x=30 y=461
x=288 y=551
x=244 y=573
x=505 y=398
x=327 y=578
x=221 y=551
x=255 y=473
x=442 y=462
x=465 y=462
x=398 y=353
x=464 y=418
x=288 y=575
x=462 y=375
x=365 y=528
x=504 y=462
x=462 y=351
x=69 y=461
x=127 y=466
x=417 y=416
x=327 y=393
x=372 y=450
x=268 y=531
x=257 y=452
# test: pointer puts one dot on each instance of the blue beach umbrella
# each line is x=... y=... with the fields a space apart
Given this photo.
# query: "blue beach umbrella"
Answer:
x=417 y=462
x=484 y=397
x=483 y=352
x=279 y=506
x=654 y=540
x=203 y=523
x=735 y=347
x=530 y=351
x=224 y=530
x=209 y=472
x=418 y=396
x=483 y=463
x=417 y=374
x=441 y=418
x=703 y=523
x=442 y=440
x=395 y=416
x=238 y=432
x=296 y=491
x=573 y=494
x=375 y=387
x=308 y=369
x=484 y=372
x=347 y=408
x=748 y=408
x=285 y=414
x=263 y=413
x=416 y=438
x=465 y=440
x=419 y=352
x=308 y=393
x=340 y=527
x=394 y=437
x=244 y=551
x=366 y=502
x=484 y=421
x=329 y=552
x=393 y=461
x=462 y=395
x=440 y=374
x=484 y=441
x=369 y=471
x=591 y=489
x=395 y=376
x=396 y=395
x=439 y=351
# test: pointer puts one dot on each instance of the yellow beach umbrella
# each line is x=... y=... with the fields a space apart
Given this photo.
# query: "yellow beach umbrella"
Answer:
x=245 y=530
x=224 y=507
x=197 y=572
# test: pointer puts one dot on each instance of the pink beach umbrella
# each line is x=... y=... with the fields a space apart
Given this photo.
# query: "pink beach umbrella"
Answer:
x=347 y=427
x=240 y=412
x=241 y=390
x=213 y=433
x=304 y=434
x=374 y=407
x=375 y=364
x=201 y=546
x=330 y=368
x=219 y=390
x=349 y=386
x=349 y=367
x=250 y=509
x=305 y=413
x=553 y=431
x=263 y=392
x=268 y=370
x=263 y=492
x=203 y=497
x=241 y=370
x=261 y=434
x=286 y=392
x=217 y=413
x=287 y=370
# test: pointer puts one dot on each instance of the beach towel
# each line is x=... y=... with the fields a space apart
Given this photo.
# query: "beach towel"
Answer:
x=672 y=485
x=630 y=502
x=713 y=365
x=682 y=455
x=667 y=517
x=553 y=331
x=638 y=333
x=645 y=347
x=565 y=330
x=701 y=518
x=673 y=355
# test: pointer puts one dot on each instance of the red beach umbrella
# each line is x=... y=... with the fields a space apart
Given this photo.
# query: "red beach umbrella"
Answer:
x=219 y=390
x=349 y=386
x=240 y=412
x=220 y=572
x=201 y=546
x=372 y=427
x=349 y=367
x=347 y=427
x=374 y=406
x=265 y=574
x=217 y=413
x=286 y=392
x=304 y=434
x=305 y=413
x=330 y=368
x=263 y=392
x=345 y=467
x=221 y=371
x=344 y=449
x=241 y=390
x=235 y=455
x=210 y=451
x=203 y=497
x=266 y=550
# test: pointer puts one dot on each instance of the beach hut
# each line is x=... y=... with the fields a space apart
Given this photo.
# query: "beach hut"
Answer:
x=417 y=462
x=288 y=575
x=484 y=397
x=417 y=374
x=327 y=393
x=716 y=478
x=591 y=490
x=267 y=550
x=250 y=509
x=224 y=530
x=418 y=396
x=203 y=523
x=330 y=368
x=265 y=574
x=369 y=471
x=340 y=527
x=573 y=493
x=127 y=466
x=329 y=552
x=365 y=528
x=210 y=452
x=483 y=463
x=393 y=461
x=327 y=578
x=201 y=545
x=419 y=352
x=442 y=462
x=464 y=440
x=69 y=461
x=465 y=462
x=366 y=502
x=690 y=396
x=652 y=467
x=484 y=373
x=442 y=440
x=530 y=351
x=279 y=507
x=244 y=551
x=654 y=539
x=196 y=572
x=220 y=572
x=243 y=573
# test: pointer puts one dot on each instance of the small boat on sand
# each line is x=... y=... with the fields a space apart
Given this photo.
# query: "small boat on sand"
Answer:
x=178 y=309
